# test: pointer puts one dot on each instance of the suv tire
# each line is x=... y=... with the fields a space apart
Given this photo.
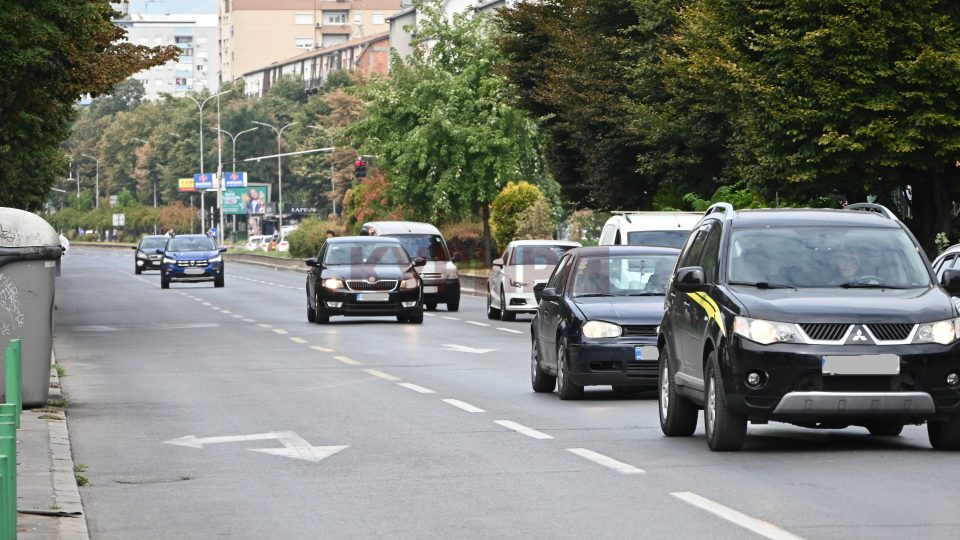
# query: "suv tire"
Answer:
x=726 y=431
x=945 y=434
x=566 y=388
x=218 y=281
x=885 y=430
x=164 y=282
x=541 y=381
x=678 y=415
x=454 y=305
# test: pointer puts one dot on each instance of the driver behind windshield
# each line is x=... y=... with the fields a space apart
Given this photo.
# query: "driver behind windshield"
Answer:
x=846 y=265
x=591 y=278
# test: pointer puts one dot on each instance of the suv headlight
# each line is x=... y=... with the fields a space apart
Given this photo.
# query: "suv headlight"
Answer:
x=216 y=259
x=409 y=283
x=333 y=283
x=601 y=329
x=168 y=260
x=942 y=332
x=142 y=255
x=766 y=332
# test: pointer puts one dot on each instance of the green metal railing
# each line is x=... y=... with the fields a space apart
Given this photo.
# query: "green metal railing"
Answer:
x=9 y=423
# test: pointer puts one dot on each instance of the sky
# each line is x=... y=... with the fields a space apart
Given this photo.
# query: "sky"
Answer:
x=160 y=7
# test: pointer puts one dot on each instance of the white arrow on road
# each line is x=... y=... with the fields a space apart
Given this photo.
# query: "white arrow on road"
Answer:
x=294 y=446
x=465 y=349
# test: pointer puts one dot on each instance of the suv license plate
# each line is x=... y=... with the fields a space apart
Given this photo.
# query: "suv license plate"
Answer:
x=373 y=297
x=193 y=271
x=866 y=364
x=645 y=353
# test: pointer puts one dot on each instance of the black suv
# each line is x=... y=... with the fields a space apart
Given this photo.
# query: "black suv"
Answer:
x=819 y=318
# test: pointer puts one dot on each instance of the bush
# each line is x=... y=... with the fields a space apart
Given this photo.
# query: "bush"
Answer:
x=465 y=238
x=536 y=222
x=507 y=207
x=584 y=226
x=310 y=236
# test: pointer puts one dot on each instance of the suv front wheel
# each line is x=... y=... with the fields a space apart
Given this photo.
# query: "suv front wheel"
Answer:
x=678 y=415
x=944 y=435
x=726 y=431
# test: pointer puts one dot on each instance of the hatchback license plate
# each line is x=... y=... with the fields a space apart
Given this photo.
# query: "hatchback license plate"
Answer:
x=645 y=353
x=429 y=289
x=193 y=271
x=866 y=364
x=373 y=297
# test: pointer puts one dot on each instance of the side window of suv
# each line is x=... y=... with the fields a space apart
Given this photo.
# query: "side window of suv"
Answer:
x=693 y=249
x=710 y=259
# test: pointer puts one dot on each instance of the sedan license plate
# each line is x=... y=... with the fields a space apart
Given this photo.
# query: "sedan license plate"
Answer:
x=193 y=271
x=866 y=364
x=373 y=297
x=645 y=353
x=429 y=289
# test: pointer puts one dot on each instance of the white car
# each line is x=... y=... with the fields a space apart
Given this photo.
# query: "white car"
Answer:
x=253 y=242
x=654 y=229
x=283 y=242
x=524 y=264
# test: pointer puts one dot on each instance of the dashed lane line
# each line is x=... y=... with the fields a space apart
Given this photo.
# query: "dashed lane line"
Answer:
x=429 y=315
x=321 y=349
x=265 y=325
x=226 y=311
x=477 y=323
x=249 y=320
x=605 y=461
x=235 y=316
x=382 y=375
x=298 y=340
x=463 y=406
x=511 y=330
x=348 y=361
x=280 y=331
x=207 y=304
x=450 y=318
x=764 y=529
x=416 y=388
x=519 y=428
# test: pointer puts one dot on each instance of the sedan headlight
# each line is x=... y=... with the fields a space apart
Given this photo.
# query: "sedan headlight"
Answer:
x=142 y=255
x=601 y=329
x=766 y=332
x=518 y=284
x=333 y=283
x=942 y=332
x=409 y=283
x=168 y=260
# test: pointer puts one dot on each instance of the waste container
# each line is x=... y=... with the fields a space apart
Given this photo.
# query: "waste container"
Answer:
x=29 y=254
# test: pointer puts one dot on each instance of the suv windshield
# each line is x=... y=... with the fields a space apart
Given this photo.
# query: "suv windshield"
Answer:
x=807 y=257
x=428 y=246
x=191 y=243
x=623 y=275
x=153 y=242
x=674 y=239
x=345 y=253
x=537 y=255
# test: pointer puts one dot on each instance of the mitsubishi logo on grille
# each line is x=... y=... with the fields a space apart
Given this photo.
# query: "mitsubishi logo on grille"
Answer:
x=859 y=336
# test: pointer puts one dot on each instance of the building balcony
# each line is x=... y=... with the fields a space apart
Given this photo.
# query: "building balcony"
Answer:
x=334 y=29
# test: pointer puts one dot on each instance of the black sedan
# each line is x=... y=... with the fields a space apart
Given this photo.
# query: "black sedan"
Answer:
x=597 y=320
x=364 y=276
x=145 y=255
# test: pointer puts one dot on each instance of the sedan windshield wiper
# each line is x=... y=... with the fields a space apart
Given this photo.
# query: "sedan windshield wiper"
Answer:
x=855 y=285
x=646 y=294
x=592 y=295
x=762 y=284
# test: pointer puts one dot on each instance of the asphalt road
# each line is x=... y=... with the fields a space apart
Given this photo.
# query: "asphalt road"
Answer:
x=368 y=428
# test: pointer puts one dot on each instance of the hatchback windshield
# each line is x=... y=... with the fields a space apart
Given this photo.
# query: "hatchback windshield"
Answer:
x=537 y=255
x=805 y=257
x=428 y=246
x=191 y=243
x=153 y=242
x=365 y=253
x=674 y=239
x=623 y=275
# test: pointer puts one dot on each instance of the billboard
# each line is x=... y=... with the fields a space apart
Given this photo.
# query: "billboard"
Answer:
x=235 y=179
x=186 y=184
x=252 y=199
x=204 y=181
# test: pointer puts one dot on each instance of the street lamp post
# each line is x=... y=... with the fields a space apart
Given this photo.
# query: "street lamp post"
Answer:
x=279 y=168
x=200 y=105
x=96 y=201
x=71 y=177
x=222 y=186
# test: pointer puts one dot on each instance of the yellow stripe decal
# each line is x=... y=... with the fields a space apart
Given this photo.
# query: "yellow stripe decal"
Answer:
x=708 y=305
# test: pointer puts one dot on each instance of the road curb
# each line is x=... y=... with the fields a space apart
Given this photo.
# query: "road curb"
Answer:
x=66 y=492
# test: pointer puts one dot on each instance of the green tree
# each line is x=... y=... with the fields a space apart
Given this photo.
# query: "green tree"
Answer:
x=53 y=55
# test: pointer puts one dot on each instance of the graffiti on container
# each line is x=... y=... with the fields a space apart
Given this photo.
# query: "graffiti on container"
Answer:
x=11 y=317
x=8 y=235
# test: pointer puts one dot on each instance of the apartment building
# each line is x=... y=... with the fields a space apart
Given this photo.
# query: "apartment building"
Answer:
x=197 y=37
x=408 y=17
x=257 y=33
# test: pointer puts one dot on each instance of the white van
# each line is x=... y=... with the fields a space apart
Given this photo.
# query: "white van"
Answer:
x=658 y=229
x=441 y=281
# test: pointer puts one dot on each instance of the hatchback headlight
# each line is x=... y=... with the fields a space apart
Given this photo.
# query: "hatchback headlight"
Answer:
x=409 y=283
x=766 y=332
x=942 y=332
x=518 y=284
x=333 y=283
x=601 y=329
x=452 y=273
x=168 y=260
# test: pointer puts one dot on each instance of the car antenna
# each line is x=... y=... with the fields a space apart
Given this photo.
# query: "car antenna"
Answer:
x=677 y=218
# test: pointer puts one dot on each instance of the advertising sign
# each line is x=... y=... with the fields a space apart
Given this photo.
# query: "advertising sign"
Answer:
x=235 y=179
x=251 y=199
x=186 y=184
x=203 y=181
x=119 y=220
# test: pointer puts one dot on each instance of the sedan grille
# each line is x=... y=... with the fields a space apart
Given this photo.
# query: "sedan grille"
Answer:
x=645 y=330
x=891 y=332
x=825 y=331
x=364 y=285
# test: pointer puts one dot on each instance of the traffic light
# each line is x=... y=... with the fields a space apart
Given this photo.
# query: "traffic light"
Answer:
x=360 y=168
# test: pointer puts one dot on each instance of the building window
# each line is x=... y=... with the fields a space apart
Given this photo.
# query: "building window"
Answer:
x=377 y=18
x=304 y=42
x=336 y=17
x=358 y=17
x=201 y=67
x=303 y=18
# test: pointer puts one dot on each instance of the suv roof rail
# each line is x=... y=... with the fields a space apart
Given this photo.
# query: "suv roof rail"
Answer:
x=873 y=207
x=720 y=207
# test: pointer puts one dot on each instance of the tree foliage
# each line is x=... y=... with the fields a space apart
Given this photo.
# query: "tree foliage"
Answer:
x=508 y=208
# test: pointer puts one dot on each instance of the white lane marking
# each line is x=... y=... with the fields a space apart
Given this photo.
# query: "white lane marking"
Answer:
x=227 y=311
x=465 y=349
x=298 y=340
x=767 y=530
x=235 y=316
x=382 y=375
x=463 y=405
x=249 y=320
x=280 y=331
x=416 y=388
x=477 y=323
x=207 y=304
x=265 y=325
x=429 y=315
x=608 y=462
x=449 y=318
x=348 y=361
x=321 y=349
x=529 y=432
x=511 y=330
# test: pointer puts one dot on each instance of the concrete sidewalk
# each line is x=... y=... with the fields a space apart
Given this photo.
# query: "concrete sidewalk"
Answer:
x=48 y=499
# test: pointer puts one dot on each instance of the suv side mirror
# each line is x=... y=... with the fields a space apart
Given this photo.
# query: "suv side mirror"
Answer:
x=549 y=294
x=498 y=262
x=689 y=278
x=455 y=258
x=312 y=261
x=160 y=251
x=223 y=249
x=419 y=261
x=950 y=281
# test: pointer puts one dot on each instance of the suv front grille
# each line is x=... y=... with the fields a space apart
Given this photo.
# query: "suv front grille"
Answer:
x=364 y=285
x=643 y=330
x=825 y=331
x=891 y=332
x=187 y=264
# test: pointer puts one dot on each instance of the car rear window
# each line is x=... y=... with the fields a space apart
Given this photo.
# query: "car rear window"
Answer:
x=153 y=243
x=537 y=255
x=674 y=239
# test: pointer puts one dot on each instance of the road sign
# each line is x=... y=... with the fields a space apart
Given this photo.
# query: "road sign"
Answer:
x=203 y=181
x=186 y=184
x=114 y=200
x=465 y=349
x=235 y=179
x=118 y=220
x=294 y=446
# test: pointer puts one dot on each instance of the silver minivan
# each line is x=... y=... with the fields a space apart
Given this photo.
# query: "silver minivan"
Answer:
x=441 y=281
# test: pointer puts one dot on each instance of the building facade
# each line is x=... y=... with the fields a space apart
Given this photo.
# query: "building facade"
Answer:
x=258 y=33
x=197 y=36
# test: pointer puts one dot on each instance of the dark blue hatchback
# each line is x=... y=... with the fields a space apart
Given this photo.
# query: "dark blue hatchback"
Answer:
x=191 y=258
